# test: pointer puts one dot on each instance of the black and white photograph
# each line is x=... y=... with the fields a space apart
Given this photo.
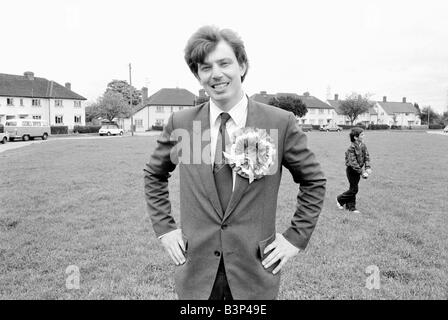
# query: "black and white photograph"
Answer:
x=230 y=151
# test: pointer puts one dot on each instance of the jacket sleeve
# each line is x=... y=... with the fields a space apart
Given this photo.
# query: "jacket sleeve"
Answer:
x=156 y=175
x=351 y=160
x=306 y=171
x=366 y=158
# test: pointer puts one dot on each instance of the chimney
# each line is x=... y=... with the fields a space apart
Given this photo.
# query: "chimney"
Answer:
x=384 y=99
x=29 y=75
x=68 y=85
x=404 y=99
x=306 y=94
x=201 y=93
x=263 y=92
x=144 y=94
x=336 y=97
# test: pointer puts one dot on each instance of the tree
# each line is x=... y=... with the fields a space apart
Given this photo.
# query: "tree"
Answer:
x=290 y=103
x=355 y=105
x=445 y=118
x=112 y=105
x=123 y=88
x=434 y=118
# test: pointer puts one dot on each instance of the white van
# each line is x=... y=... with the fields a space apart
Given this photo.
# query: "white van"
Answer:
x=27 y=129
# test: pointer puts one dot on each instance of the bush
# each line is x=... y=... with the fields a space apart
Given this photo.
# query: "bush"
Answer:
x=361 y=125
x=59 y=129
x=395 y=127
x=378 y=127
x=86 y=129
x=436 y=126
x=315 y=126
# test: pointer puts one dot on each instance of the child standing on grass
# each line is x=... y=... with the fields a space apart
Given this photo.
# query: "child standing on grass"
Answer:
x=357 y=160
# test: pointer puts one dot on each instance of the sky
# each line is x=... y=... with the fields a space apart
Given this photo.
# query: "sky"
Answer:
x=388 y=48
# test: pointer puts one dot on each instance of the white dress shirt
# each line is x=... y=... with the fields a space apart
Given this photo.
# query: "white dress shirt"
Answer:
x=238 y=116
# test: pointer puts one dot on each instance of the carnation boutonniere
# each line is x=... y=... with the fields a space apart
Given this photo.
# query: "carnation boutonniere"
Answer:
x=251 y=153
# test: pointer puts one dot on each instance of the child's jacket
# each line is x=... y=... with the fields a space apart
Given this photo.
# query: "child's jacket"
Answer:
x=357 y=157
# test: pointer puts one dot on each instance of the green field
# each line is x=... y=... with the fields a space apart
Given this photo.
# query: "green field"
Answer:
x=80 y=202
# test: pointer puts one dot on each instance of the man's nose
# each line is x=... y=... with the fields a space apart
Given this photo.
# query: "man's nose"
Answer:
x=216 y=72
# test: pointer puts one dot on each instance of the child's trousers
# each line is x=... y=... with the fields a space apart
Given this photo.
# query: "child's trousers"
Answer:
x=349 y=197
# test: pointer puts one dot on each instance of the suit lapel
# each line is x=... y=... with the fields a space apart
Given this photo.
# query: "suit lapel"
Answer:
x=241 y=184
x=205 y=169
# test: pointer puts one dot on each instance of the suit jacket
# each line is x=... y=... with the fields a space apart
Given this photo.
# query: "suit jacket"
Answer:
x=242 y=232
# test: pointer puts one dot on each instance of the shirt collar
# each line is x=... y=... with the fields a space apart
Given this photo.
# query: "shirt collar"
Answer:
x=237 y=112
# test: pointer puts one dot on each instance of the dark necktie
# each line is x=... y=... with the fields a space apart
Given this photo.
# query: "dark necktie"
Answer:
x=221 y=170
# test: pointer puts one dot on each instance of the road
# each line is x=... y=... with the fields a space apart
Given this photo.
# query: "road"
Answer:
x=21 y=144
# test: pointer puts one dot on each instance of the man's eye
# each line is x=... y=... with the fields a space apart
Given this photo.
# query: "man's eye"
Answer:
x=205 y=68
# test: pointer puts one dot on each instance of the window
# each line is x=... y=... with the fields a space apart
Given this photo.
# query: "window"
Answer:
x=180 y=108
x=9 y=101
x=312 y=120
x=159 y=122
x=159 y=109
x=58 y=103
x=321 y=121
x=23 y=116
x=321 y=111
x=11 y=124
x=77 y=119
x=58 y=119
x=139 y=123
x=21 y=102
x=27 y=123
x=35 y=102
x=36 y=123
x=37 y=117
x=77 y=104
x=312 y=111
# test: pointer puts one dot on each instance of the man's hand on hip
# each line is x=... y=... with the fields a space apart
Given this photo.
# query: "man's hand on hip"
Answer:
x=283 y=251
x=174 y=244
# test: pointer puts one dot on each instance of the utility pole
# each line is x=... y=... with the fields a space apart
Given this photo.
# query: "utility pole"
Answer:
x=130 y=95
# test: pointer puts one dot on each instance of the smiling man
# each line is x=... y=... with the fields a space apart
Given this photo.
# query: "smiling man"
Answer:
x=226 y=246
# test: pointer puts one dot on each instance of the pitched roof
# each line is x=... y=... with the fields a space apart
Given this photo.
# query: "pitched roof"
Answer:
x=397 y=107
x=21 y=86
x=310 y=101
x=337 y=103
x=172 y=97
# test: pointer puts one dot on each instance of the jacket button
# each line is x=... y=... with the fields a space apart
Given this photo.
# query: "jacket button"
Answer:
x=217 y=253
x=224 y=227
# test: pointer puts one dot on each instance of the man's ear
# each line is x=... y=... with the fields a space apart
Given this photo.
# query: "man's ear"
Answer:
x=243 y=69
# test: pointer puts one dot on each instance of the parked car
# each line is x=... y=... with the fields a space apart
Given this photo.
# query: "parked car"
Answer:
x=110 y=129
x=306 y=127
x=27 y=129
x=330 y=127
x=4 y=136
x=445 y=130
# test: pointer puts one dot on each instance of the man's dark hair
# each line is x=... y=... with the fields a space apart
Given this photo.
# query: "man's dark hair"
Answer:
x=355 y=133
x=205 y=40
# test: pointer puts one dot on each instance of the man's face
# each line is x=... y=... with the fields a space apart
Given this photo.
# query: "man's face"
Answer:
x=220 y=75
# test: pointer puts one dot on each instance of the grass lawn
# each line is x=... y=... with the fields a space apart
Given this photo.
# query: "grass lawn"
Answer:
x=80 y=202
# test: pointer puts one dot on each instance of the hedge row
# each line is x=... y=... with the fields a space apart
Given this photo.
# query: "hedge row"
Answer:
x=59 y=129
x=436 y=126
x=86 y=129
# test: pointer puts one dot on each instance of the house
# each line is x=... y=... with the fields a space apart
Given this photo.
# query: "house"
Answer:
x=382 y=112
x=32 y=97
x=319 y=112
x=156 y=110
x=397 y=113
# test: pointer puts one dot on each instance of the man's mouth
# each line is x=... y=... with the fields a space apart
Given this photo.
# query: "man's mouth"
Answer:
x=220 y=85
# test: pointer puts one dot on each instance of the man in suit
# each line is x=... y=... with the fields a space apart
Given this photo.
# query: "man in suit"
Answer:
x=226 y=246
